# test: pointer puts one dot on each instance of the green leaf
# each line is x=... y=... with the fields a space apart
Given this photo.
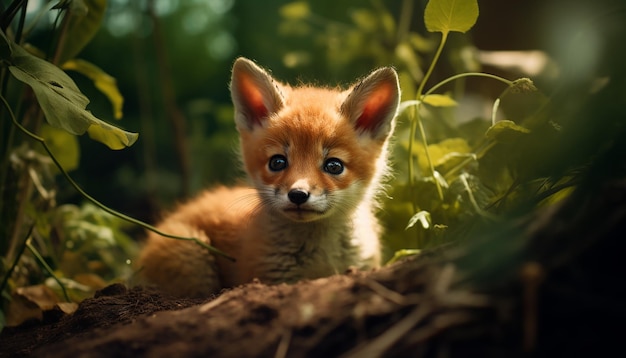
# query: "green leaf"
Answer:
x=62 y=102
x=60 y=99
x=446 y=152
x=505 y=131
x=450 y=15
x=63 y=145
x=400 y=254
x=85 y=17
x=439 y=100
x=103 y=81
x=423 y=217
x=111 y=136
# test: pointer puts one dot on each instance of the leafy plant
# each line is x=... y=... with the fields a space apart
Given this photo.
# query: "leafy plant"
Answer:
x=452 y=183
x=39 y=123
x=450 y=172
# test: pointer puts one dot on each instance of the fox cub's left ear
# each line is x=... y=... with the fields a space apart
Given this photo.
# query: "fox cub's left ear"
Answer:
x=372 y=104
x=255 y=94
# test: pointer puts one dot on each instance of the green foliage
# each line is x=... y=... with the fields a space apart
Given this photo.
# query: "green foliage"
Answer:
x=62 y=103
x=39 y=238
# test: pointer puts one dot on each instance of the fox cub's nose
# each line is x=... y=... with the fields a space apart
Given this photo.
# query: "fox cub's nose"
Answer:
x=298 y=196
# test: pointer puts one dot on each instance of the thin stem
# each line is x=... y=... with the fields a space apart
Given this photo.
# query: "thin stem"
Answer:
x=467 y=74
x=96 y=202
x=420 y=89
x=411 y=162
x=47 y=267
x=418 y=119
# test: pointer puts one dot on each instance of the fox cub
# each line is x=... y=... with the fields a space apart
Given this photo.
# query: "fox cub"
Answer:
x=314 y=158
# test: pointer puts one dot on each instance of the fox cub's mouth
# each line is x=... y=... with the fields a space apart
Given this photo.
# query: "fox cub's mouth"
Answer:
x=298 y=213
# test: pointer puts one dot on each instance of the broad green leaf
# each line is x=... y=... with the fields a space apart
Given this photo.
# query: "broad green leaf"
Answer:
x=62 y=102
x=296 y=10
x=505 y=131
x=450 y=15
x=85 y=17
x=447 y=151
x=112 y=136
x=60 y=99
x=103 y=81
x=63 y=145
x=439 y=100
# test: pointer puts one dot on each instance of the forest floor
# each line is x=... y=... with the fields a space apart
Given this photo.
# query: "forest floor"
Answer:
x=391 y=311
x=550 y=284
x=322 y=317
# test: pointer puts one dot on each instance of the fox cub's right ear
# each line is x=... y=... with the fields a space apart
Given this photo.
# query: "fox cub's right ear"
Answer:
x=255 y=94
x=372 y=104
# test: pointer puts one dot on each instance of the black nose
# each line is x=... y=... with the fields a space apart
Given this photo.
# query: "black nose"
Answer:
x=298 y=196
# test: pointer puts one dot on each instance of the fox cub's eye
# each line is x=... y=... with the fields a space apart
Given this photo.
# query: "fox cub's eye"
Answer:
x=333 y=166
x=277 y=163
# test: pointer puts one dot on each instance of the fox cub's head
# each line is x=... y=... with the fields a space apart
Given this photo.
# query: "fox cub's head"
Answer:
x=312 y=152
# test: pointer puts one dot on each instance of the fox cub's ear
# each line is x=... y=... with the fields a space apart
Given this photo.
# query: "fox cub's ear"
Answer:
x=255 y=94
x=372 y=104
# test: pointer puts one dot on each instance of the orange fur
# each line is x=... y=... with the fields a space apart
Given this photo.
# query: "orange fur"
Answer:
x=314 y=158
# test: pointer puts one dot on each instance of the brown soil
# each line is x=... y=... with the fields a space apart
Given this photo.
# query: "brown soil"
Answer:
x=548 y=285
